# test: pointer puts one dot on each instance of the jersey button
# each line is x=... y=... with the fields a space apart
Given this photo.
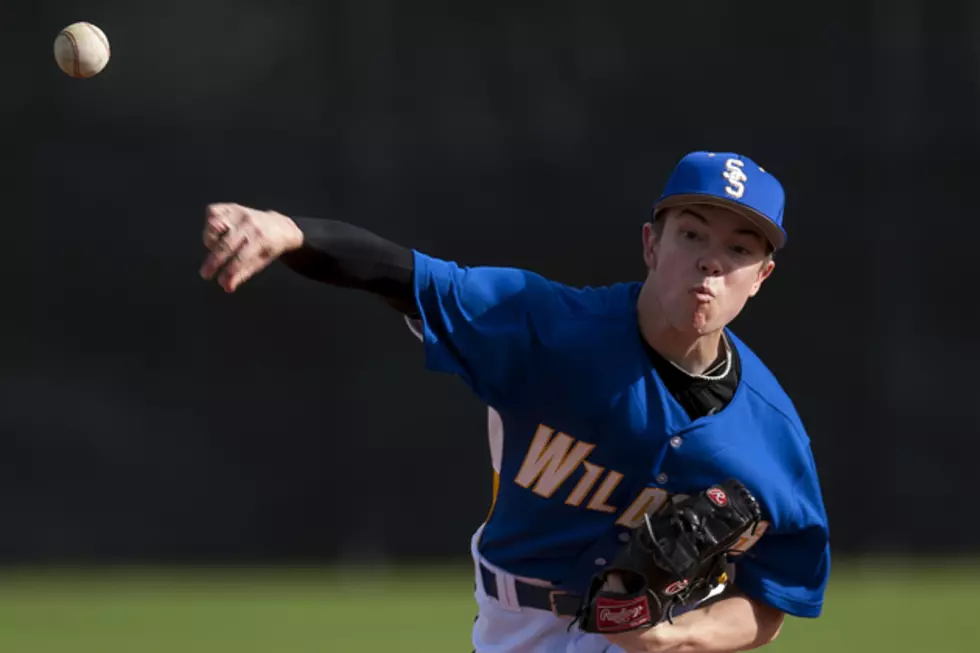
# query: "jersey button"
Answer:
x=624 y=537
x=661 y=478
x=600 y=561
x=676 y=441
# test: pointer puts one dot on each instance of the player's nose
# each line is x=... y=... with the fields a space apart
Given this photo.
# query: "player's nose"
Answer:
x=710 y=265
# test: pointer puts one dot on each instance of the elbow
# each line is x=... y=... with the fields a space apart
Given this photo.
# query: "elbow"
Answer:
x=770 y=625
x=763 y=629
x=777 y=628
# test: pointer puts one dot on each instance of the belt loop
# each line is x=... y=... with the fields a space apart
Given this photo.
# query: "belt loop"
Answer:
x=507 y=592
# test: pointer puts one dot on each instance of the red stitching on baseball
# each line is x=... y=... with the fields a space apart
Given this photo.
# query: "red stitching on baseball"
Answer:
x=74 y=49
x=108 y=50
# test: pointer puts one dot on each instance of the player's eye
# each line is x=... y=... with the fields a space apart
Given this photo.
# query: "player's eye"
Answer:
x=687 y=234
x=741 y=251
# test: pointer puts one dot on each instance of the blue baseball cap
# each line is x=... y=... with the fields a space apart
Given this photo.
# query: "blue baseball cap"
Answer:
x=731 y=181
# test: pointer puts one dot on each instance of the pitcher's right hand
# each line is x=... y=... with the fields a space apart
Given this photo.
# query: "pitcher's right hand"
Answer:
x=242 y=241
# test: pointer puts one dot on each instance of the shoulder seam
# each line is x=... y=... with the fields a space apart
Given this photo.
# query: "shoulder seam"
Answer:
x=776 y=408
x=792 y=424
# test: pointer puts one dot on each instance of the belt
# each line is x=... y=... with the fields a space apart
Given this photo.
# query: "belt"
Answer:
x=558 y=602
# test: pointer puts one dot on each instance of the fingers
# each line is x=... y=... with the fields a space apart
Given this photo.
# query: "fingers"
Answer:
x=243 y=241
x=219 y=219
x=215 y=229
x=614 y=583
x=224 y=234
x=251 y=258
x=225 y=252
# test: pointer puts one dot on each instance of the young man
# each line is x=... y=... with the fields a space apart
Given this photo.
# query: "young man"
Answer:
x=612 y=400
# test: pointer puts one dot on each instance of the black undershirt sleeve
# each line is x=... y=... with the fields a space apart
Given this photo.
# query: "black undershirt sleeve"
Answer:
x=341 y=254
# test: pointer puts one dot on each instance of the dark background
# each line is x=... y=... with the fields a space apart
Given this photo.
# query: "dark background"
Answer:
x=146 y=415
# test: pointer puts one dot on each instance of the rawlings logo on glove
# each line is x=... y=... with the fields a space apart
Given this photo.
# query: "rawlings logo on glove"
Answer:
x=615 y=615
x=676 y=557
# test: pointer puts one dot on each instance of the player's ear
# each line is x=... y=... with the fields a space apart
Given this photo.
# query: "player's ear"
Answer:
x=765 y=269
x=650 y=245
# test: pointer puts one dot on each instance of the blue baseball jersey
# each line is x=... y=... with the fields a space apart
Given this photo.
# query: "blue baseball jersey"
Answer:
x=593 y=439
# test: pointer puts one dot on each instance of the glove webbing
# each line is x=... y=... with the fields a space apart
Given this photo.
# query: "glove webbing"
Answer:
x=689 y=531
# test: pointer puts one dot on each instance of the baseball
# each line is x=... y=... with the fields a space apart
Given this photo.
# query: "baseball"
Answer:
x=81 y=50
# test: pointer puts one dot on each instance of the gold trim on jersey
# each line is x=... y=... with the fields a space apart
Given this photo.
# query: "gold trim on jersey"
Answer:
x=493 y=499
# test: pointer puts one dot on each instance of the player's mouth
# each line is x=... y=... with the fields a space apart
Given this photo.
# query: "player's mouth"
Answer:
x=703 y=293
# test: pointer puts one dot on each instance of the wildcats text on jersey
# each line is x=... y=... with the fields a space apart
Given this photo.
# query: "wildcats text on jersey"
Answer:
x=553 y=457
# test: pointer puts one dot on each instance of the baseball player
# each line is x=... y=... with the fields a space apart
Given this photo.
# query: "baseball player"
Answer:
x=606 y=405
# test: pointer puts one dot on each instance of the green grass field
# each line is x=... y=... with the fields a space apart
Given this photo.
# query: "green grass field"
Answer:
x=898 y=609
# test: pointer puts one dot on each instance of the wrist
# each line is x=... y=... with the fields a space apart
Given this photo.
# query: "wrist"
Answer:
x=662 y=638
x=295 y=237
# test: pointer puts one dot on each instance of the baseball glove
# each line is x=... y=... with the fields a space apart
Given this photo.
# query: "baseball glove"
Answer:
x=675 y=558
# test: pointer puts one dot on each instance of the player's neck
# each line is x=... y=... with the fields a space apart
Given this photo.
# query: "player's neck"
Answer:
x=692 y=352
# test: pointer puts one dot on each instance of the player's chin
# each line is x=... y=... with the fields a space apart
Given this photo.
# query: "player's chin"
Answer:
x=702 y=321
x=694 y=318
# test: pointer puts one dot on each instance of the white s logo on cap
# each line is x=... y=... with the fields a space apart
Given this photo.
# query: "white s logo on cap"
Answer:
x=736 y=178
